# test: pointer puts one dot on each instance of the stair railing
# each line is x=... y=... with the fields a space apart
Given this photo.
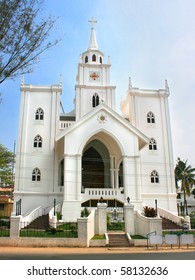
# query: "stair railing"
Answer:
x=37 y=212
x=148 y=235
x=169 y=215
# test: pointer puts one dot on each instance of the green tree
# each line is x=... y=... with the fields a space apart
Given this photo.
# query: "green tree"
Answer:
x=184 y=174
x=6 y=166
x=23 y=36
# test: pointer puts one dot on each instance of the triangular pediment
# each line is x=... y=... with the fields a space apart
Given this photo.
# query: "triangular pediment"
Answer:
x=101 y=113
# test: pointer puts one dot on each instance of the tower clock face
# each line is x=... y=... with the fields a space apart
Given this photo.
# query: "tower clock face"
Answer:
x=94 y=75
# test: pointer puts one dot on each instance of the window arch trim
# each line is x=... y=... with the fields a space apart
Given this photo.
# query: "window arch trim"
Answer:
x=154 y=176
x=152 y=144
x=93 y=57
x=150 y=117
x=38 y=141
x=36 y=175
x=39 y=114
x=95 y=100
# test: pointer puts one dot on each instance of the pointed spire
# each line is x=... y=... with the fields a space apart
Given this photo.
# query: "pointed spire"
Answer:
x=60 y=79
x=166 y=86
x=93 y=42
x=22 y=80
x=130 y=84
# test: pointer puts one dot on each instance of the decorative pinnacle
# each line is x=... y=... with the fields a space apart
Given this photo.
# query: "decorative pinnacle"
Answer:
x=130 y=84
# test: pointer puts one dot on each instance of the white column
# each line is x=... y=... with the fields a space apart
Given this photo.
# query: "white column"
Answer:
x=138 y=181
x=71 y=207
x=129 y=177
x=79 y=175
x=116 y=178
x=70 y=177
x=112 y=171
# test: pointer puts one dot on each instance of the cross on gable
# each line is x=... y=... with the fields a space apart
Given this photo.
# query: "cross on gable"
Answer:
x=92 y=21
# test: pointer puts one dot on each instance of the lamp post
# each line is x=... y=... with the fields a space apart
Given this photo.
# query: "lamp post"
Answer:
x=156 y=206
x=54 y=203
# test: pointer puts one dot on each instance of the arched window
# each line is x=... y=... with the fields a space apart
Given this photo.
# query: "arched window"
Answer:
x=100 y=59
x=86 y=59
x=93 y=57
x=152 y=144
x=39 y=115
x=154 y=177
x=95 y=100
x=38 y=142
x=36 y=175
x=150 y=118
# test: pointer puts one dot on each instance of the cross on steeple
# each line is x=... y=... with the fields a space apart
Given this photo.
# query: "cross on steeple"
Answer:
x=92 y=21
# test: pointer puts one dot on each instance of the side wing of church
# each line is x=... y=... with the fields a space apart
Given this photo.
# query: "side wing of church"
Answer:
x=93 y=153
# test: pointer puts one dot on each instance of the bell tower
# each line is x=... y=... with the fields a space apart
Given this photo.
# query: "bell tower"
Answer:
x=93 y=79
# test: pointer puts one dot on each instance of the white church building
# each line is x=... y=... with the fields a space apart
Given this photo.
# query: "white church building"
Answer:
x=94 y=153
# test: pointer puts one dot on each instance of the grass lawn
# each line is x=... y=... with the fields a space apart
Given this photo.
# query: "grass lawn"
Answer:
x=97 y=237
x=68 y=230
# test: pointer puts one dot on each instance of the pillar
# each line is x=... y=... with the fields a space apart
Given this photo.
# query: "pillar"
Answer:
x=101 y=218
x=129 y=218
x=112 y=171
x=15 y=226
x=71 y=207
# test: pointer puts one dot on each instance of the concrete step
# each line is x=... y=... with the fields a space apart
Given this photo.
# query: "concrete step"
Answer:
x=118 y=240
x=41 y=222
x=169 y=225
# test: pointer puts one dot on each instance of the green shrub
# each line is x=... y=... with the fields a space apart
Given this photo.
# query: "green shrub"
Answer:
x=149 y=212
x=85 y=212
x=59 y=215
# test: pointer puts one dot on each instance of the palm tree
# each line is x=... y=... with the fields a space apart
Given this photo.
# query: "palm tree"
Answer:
x=185 y=174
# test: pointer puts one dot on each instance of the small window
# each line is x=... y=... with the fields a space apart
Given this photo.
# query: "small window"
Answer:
x=152 y=144
x=86 y=59
x=36 y=175
x=100 y=59
x=95 y=100
x=150 y=118
x=39 y=115
x=38 y=142
x=154 y=177
x=93 y=57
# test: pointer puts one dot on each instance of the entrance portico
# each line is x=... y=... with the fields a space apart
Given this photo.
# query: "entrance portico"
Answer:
x=99 y=162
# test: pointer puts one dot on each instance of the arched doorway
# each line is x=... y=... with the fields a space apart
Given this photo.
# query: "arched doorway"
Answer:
x=95 y=165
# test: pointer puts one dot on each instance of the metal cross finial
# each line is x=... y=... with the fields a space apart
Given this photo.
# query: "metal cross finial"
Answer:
x=92 y=21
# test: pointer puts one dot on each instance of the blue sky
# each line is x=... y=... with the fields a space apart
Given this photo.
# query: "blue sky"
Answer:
x=147 y=40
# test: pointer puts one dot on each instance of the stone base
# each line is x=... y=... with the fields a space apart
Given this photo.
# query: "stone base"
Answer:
x=71 y=210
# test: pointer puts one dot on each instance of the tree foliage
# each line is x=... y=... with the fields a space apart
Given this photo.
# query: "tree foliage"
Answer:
x=184 y=174
x=23 y=36
x=6 y=166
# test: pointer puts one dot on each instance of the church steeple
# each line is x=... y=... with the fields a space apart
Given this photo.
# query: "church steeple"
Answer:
x=92 y=55
x=93 y=42
x=93 y=79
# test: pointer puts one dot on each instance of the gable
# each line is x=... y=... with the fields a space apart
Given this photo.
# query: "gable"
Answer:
x=104 y=119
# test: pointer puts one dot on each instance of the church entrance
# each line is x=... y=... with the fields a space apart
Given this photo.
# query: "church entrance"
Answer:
x=96 y=166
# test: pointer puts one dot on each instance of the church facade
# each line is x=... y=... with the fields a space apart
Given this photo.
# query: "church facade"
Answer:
x=93 y=153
